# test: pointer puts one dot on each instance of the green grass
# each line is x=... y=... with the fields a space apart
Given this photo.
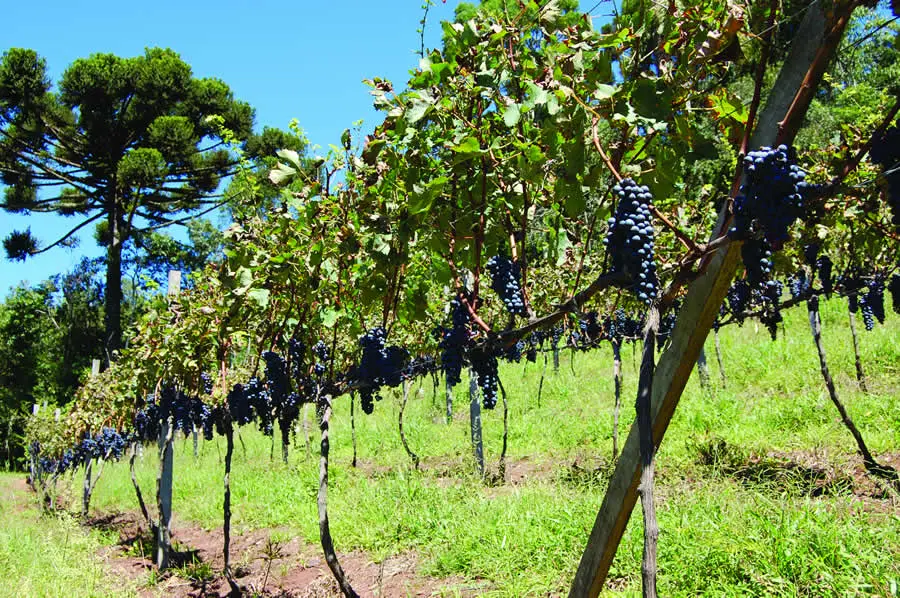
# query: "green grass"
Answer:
x=720 y=536
x=50 y=555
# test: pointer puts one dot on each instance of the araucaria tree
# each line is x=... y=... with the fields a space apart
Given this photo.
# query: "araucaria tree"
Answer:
x=126 y=143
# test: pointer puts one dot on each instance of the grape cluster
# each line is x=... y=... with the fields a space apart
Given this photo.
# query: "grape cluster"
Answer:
x=868 y=313
x=485 y=365
x=886 y=153
x=629 y=240
x=823 y=269
x=110 y=443
x=872 y=303
x=851 y=284
x=771 y=199
x=770 y=299
x=757 y=259
x=738 y=297
x=276 y=378
x=146 y=421
x=506 y=281
x=320 y=350
x=811 y=253
x=246 y=401
x=296 y=354
x=588 y=332
x=799 y=284
x=206 y=382
x=420 y=366
x=514 y=352
x=556 y=336
x=379 y=366
x=666 y=326
x=454 y=342
x=533 y=341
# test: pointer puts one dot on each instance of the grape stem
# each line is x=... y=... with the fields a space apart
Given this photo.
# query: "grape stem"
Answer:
x=603 y=156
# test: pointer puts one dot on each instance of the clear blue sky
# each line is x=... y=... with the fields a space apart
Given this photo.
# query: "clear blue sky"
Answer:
x=302 y=59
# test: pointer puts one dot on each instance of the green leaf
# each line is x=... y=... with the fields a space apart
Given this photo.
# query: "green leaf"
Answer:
x=423 y=196
x=281 y=174
x=417 y=111
x=511 y=115
x=604 y=92
x=330 y=316
x=469 y=145
x=291 y=157
x=260 y=297
x=652 y=99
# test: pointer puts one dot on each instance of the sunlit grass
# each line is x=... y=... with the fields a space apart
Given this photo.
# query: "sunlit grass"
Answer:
x=720 y=536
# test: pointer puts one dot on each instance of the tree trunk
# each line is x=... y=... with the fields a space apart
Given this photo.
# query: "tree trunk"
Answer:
x=860 y=375
x=113 y=291
x=872 y=466
x=226 y=507
x=324 y=527
x=719 y=359
x=648 y=450
x=555 y=358
x=196 y=437
x=475 y=425
x=412 y=455
x=164 y=493
x=617 y=378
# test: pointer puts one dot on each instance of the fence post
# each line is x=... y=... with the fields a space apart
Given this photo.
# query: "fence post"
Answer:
x=164 y=484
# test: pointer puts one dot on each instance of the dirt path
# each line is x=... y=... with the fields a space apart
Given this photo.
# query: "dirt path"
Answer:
x=263 y=566
x=266 y=563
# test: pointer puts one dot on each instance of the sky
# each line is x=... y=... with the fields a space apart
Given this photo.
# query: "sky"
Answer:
x=301 y=59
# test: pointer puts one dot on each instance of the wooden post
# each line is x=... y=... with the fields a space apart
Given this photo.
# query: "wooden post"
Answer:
x=164 y=481
x=449 y=389
x=174 y=287
x=701 y=306
x=475 y=424
x=703 y=369
x=95 y=367
x=164 y=492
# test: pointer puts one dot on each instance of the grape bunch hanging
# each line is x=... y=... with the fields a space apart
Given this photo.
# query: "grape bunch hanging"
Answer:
x=772 y=197
x=379 y=366
x=630 y=239
x=506 y=277
x=453 y=342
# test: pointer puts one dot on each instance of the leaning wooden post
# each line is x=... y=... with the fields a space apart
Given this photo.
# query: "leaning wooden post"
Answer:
x=801 y=73
x=164 y=483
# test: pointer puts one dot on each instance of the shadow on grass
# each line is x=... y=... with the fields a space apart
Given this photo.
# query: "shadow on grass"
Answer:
x=776 y=473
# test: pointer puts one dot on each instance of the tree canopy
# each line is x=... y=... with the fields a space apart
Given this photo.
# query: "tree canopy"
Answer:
x=131 y=144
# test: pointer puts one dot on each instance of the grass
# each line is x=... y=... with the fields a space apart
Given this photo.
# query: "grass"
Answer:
x=49 y=555
x=723 y=534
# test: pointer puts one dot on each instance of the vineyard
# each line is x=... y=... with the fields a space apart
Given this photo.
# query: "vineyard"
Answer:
x=462 y=337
